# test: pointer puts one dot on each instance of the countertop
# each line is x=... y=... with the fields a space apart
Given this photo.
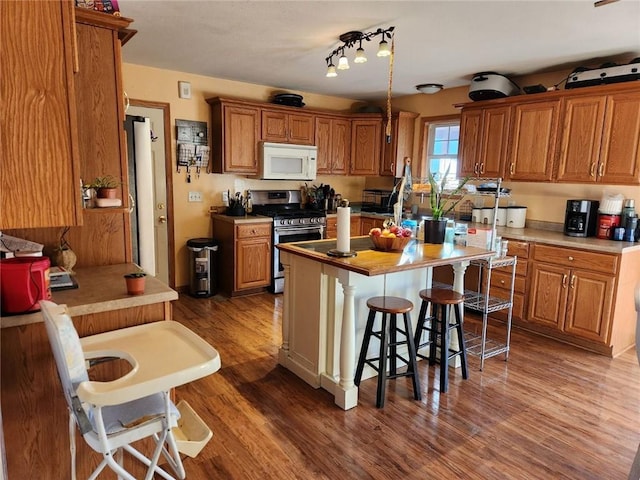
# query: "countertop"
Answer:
x=371 y=262
x=551 y=237
x=100 y=289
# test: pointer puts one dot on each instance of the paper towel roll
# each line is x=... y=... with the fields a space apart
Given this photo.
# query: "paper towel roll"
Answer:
x=344 y=229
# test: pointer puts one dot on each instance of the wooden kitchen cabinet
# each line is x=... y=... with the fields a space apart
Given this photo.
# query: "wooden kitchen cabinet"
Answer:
x=366 y=145
x=582 y=124
x=532 y=143
x=235 y=133
x=484 y=136
x=331 y=227
x=40 y=175
x=333 y=139
x=601 y=139
x=283 y=127
x=367 y=223
x=244 y=257
x=401 y=146
x=572 y=292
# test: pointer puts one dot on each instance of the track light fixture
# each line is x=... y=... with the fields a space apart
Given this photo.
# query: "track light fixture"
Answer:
x=351 y=39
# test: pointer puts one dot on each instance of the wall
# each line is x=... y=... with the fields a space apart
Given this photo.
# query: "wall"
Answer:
x=192 y=219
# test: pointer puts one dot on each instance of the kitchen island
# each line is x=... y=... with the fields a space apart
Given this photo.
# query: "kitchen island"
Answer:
x=324 y=305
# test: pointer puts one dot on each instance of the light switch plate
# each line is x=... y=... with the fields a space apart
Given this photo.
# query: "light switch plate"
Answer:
x=225 y=198
x=195 y=196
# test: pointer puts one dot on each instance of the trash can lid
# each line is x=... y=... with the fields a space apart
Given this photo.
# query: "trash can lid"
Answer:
x=202 y=242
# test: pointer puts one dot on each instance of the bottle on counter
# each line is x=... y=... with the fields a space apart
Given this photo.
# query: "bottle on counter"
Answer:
x=628 y=211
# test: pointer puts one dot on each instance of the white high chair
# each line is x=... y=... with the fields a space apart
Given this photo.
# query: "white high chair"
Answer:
x=112 y=415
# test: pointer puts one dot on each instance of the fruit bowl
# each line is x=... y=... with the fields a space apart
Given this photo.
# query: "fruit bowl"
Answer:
x=389 y=244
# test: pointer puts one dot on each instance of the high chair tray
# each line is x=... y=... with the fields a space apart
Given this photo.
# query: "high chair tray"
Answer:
x=163 y=355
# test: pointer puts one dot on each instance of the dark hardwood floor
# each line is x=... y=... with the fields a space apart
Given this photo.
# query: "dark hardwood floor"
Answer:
x=551 y=411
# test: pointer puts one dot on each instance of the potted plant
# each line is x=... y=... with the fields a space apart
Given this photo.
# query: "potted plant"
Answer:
x=442 y=202
x=135 y=282
x=105 y=187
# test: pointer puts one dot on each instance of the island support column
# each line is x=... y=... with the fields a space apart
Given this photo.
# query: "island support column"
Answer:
x=346 y=395
x=283 y=352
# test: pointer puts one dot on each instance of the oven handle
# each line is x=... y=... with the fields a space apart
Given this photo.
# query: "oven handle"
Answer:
x=314 y=228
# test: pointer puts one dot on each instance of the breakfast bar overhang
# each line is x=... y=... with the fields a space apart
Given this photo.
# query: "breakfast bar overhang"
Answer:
x=324 y=302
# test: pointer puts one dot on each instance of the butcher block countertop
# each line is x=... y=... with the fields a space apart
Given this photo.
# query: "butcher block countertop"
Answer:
x=100 y=289
x=371 y=262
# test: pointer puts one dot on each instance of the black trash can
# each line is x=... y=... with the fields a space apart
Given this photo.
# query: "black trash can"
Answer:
x=202 y=266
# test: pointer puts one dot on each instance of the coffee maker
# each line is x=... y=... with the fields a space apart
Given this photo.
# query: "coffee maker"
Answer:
x=580 y=218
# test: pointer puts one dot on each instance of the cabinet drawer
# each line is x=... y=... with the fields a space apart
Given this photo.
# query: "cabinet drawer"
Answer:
x=518 y=249
x=517 y=313
x=521 y=268
x=502 y=280
x=598 y=262
x=253 y=230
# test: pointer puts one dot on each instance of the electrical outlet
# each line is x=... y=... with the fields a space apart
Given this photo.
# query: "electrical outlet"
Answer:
x=225 y=198
x=195 y=196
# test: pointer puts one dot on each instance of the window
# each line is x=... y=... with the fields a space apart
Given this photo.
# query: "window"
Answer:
x=442 y=137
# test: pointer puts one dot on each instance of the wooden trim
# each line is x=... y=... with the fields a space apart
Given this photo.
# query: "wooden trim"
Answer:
x=68 y=15
x=424 y=136
x=169 y=162
x=100 y=19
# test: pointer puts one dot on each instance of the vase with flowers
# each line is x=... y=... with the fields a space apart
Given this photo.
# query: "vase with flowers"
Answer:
x=442 y=202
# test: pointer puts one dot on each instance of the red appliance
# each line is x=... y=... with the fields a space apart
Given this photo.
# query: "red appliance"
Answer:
x=606 y=224
x=24 y=281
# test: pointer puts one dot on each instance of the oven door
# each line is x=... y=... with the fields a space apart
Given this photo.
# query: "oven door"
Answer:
x=289 y=235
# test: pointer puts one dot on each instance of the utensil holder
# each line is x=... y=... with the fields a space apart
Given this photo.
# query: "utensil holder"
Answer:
x=236 y=211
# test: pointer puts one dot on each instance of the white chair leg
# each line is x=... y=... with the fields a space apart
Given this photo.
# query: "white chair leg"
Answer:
x=72 y=445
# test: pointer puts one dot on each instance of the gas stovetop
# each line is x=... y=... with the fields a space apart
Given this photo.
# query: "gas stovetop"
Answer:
x=284 y=206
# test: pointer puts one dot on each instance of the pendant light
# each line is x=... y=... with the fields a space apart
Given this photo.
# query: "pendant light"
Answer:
x=360 y=56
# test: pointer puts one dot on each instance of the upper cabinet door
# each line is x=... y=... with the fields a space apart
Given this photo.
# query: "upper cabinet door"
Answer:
x=235 y=133
x=583 y=118
x=283 y=127
x=470 y=124
x=340 y=145
x=401 y=146
x=323 y=142
x=366 y=144
x=620 y=151
x=39 y=176
x=533 y=141
x=495 y=135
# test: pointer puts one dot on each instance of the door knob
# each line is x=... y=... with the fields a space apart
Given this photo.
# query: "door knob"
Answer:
x=162 y=219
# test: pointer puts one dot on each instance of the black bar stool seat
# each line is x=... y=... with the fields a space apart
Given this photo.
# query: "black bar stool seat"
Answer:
x=438 y=327
x=390 y=307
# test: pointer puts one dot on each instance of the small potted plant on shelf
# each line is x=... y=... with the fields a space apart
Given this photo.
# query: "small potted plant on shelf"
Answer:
x=105 y=187
x=442 y=202
x=135 y=282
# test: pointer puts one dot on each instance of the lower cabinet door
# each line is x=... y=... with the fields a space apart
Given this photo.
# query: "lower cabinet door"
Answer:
x=253 y=263
x=589 y=309
x=548 y=295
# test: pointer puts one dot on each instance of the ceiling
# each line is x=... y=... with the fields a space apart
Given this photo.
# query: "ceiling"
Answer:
x=284 y=44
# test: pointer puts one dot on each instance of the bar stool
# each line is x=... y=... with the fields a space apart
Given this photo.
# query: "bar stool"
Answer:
x=389 y=307
x=440 y=300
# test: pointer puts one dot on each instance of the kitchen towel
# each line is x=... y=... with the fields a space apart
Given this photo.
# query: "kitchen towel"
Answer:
x=344 y=229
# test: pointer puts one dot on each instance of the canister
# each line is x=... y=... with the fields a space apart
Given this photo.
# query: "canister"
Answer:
x=516 y=216
x=487 y=216
x=501 y=218
x=476 y=215
x=618 y=233
x=606 y=224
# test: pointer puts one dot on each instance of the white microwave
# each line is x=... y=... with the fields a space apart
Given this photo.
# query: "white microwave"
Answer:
x=284 y=161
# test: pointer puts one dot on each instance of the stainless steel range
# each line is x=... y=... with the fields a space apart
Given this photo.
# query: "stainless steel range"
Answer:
x=291 y=223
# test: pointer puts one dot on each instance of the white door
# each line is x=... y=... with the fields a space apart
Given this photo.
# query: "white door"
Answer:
x=155 y=204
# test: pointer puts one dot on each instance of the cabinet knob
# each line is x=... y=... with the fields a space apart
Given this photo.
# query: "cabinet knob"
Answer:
x=482 y=167
x=570 y=258
x=573 y=281
x=564 y=281
x=601 y=170
x=511 y=168
x=502 y=282
x=592 y=170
